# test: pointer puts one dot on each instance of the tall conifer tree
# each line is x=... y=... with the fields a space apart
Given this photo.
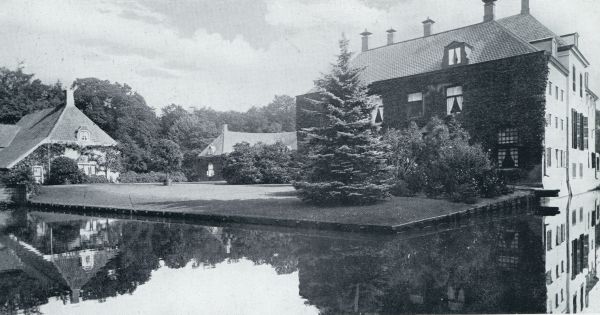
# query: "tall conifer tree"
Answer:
x=346 y=159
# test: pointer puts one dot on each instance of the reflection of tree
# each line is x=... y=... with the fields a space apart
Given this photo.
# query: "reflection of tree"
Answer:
x=456 y=271
x=460 y=271
x=18 y=291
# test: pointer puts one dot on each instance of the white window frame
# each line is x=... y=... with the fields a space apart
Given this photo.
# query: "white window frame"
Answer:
x=453 y=92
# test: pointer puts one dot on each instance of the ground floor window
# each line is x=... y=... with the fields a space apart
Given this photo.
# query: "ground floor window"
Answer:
x=508 y=157
x=87 y=168
x=210 y=172
x=38 y=173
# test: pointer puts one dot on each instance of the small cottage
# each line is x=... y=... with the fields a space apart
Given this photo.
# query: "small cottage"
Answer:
x=210 y=160
x=41 y=136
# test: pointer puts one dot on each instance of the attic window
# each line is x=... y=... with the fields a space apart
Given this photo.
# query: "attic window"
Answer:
x=457 y=53
x=83 y=135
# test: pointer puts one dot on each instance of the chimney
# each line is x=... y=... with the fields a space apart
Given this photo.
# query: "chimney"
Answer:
x=390 y=36
x=224 y=128
x=524 y=6
x=489 y=9
x=428 y=27
x=70 y=97
x=365 y=40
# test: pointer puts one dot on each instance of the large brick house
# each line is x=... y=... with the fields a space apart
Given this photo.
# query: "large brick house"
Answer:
x=520 y=89
x=41 y=136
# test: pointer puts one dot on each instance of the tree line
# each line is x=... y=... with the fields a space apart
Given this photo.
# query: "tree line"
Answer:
x=124 y=114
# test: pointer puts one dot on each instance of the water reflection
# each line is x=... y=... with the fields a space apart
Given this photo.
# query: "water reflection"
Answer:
x=514 y=263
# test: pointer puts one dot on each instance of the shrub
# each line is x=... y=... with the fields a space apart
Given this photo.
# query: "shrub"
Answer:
x=64 y=171
x=259 y=164
x=21 y=175
x=96 y=179
x=151 y=177
x=466 y=192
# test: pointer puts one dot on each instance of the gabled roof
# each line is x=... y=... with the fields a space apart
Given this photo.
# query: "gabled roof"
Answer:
x=7 y=134
x=51 y=125
x=528 y=28
x=225 y=141
x=490 y=41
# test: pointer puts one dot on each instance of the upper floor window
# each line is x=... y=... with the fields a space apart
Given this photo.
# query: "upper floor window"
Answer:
x=581 y=85
x=556 y=92
x=457 y=53
x=415 y=105
x=574 y=80
x=550 y=87
x=454 y=100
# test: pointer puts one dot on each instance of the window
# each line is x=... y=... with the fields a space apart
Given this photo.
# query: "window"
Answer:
x=562 y=124
x=562 y=270
x=574 y=170
x=550 y=87
x=556 y=157
x=580 y=170
x=454 y=56
x=83 y=135
x=378 y=119
x=562 y=95
x=415 y=105
x=581 y=214
x=574 y=217
x=549 y=157
x=580 y=85
x=210 y=172
x=556 y=92
x=548 y=240
x=585 y=132
x=38 y=173
x=508 y=157
x=508 y=136
x=556 y=122
x=454 y=100
x=574 y=79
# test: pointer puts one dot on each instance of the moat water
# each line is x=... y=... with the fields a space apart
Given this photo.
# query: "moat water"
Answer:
x=55 y=263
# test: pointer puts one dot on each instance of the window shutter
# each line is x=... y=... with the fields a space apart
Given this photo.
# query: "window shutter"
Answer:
x=585 y=133
x=574 y=129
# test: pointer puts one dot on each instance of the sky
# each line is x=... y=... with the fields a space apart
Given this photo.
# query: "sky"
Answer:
x=234 y=54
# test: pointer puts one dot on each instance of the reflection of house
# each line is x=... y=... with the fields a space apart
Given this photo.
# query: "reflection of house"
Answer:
x=571 y=252
x=210 y=160
x=496 y=67
x=78 y=267
x=36 y=137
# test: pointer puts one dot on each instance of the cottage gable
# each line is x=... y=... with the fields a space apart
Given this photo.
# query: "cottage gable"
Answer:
x=52 y=125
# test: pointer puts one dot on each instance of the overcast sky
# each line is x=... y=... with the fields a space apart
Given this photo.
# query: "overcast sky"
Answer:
x=232 y=54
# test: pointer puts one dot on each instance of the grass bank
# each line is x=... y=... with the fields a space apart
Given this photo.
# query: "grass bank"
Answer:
x=269 y=204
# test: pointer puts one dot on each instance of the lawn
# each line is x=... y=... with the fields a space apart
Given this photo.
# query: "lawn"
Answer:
x=257 y=201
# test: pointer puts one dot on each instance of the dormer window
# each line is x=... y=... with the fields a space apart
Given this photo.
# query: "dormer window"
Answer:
x=83 y=134
x=457 y=53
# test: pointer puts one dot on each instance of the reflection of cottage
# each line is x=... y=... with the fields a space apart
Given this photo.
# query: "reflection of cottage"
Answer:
x=210 y=160
x=45 y=134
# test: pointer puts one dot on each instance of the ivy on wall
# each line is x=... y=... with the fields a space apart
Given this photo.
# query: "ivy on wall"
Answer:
x=506 y=93
x=44 y=154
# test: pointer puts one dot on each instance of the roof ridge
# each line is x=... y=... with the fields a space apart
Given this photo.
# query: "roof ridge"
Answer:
x=430 y=36
x=517 y=37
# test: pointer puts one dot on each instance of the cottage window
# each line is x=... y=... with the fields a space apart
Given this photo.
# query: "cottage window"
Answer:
x=454 y=100
x=378 y=119
x=562 y=95
x=38 y=173
x=83 y=135
x=556 y=92
x=574 y=169
x=549 y=157
x=415 y=105
x=550 y=87
x=580 y=170
x=210 y=172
